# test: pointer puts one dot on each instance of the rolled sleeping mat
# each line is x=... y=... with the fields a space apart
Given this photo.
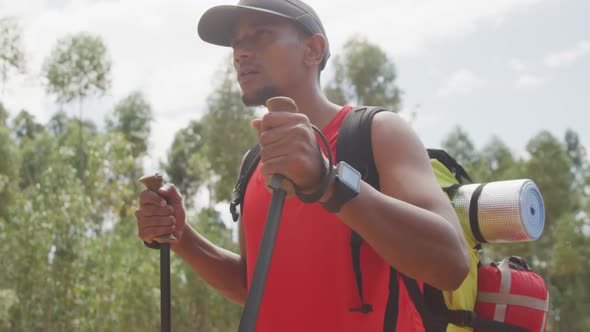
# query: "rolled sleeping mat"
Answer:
x=501 y=211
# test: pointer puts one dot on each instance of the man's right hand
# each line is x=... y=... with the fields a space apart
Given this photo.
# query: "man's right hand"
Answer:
x=160 y=213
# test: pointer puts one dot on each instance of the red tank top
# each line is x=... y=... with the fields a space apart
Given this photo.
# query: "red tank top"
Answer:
x=311 y=284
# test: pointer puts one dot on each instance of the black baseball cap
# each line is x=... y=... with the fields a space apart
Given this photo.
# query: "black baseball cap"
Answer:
x=217 y=23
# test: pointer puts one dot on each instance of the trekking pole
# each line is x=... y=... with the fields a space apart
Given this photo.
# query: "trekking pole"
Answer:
x=153 y=183
x=252 y=307
x=280 y=189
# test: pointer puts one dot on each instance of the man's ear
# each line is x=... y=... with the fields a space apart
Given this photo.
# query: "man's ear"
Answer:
x=315 y=46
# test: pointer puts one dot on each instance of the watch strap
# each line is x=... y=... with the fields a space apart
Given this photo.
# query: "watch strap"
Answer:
x=335 y=202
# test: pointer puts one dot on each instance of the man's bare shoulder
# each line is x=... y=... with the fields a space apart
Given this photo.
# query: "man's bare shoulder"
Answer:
x=393 y=133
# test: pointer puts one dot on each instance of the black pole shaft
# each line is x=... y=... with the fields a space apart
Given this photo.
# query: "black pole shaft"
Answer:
x=165 y=323
x=254 y=299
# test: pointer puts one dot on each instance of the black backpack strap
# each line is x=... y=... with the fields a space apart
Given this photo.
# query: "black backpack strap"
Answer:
x=355 y=245
x=449 y=162
x=354 y=142
x=392 y=308
x=249 y=164
x=427 y=305
x=354 y=147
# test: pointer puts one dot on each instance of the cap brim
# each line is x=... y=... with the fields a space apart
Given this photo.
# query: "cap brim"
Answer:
x=217 y=24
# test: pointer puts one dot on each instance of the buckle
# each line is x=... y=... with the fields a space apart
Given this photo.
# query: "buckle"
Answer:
x=465 y=318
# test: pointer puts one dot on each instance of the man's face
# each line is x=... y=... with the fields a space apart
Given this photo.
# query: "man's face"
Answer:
x=268 y=56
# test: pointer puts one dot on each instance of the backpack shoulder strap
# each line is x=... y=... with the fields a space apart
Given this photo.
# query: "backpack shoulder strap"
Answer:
x=450 y=163
x=249 y=164
x=354 y=142
x=354 y=147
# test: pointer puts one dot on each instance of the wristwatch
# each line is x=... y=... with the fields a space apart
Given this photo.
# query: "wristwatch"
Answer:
x=347 y=185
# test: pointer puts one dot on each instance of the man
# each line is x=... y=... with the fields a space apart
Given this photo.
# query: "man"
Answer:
x=280 y=48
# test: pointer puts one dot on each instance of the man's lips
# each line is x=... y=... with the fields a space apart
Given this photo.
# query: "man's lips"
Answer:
x=247 y=73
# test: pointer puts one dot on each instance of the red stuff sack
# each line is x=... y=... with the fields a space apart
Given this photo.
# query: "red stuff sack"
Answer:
x=510 y=292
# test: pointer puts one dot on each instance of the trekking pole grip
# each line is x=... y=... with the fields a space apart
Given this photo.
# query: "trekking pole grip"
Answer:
x=281 y=104
x=153 y=183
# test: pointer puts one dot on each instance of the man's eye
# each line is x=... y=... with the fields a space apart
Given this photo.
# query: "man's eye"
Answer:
x=262 y=32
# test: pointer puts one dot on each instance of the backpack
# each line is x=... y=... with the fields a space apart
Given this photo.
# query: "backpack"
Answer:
x=354 y=147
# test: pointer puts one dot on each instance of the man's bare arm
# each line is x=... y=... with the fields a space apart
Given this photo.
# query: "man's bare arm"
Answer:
x=163 y=213
x=411 y=222
x=222 y=269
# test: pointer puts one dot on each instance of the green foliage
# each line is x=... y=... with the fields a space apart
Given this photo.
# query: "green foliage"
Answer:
x=459 y=145
x=186 y=167
x=74 y=147
x=58 y=124
x=496 y=162
x=25 y=127
x=132 y=117
x=364 y=75
x=12 y=56
x=209 y=151
x=9 y=170
x=550 y=167
x=78 y=66
x=3 y=115
x=35 y=158
x=228 y=133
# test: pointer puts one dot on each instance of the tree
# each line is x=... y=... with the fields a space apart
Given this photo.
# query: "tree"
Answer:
x=3 y=115
x=364 y=75
x=228 y=134
x=550 y=167
x=9 y=171
x=459 y=145
x=580 y=167
x=77 y=67
x=58 y=124
x=11 y=48
x=570 y=262
x=186 y=167
x=25 y=126
x=210 y=151
x=34 y=147
x=495 y=162
x=132 y=117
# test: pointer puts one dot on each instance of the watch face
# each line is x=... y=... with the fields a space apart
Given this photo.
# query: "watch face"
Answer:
x=349 y=176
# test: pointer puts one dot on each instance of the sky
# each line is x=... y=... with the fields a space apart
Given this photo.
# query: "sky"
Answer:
x=504 y=68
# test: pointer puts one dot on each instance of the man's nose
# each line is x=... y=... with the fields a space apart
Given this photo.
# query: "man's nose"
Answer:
x=242 y=51
x=241 y=54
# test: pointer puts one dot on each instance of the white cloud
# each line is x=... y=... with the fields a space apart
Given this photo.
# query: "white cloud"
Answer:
x=410 y=27
x=525 y=80
x=568 y=56
x=461 y=82
x=517 y=65
x=528 y=81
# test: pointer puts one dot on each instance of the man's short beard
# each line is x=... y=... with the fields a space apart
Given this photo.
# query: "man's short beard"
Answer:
x=259 y=97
